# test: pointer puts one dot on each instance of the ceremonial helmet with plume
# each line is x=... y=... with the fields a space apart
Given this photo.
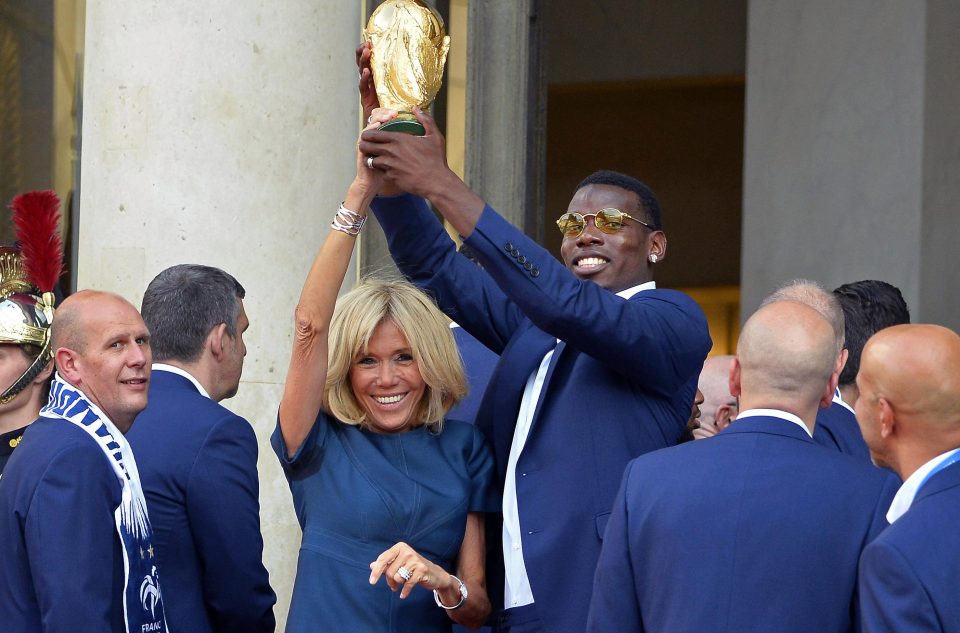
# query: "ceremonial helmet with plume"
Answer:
x=29 y=272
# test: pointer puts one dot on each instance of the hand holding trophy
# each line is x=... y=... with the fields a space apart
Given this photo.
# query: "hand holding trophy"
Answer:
x=410 y=48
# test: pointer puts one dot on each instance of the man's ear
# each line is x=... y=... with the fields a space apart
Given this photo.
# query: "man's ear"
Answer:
x=842 y=360
x=826 y=399
x=734 y=381
x=888 y=421
x=724 y=416
x=658 y=245
x=215 y=340
x=68 y=364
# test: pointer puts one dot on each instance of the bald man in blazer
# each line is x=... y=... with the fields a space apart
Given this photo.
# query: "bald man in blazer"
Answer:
x=909 y=411
x=791 y=518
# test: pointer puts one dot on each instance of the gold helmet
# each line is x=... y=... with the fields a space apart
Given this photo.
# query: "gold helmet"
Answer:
x=28 y=275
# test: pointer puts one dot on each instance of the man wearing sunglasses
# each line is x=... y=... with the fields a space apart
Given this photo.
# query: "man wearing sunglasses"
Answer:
x=597 y=365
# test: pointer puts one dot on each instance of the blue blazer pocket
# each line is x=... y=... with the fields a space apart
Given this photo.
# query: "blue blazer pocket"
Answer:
x=602 y=519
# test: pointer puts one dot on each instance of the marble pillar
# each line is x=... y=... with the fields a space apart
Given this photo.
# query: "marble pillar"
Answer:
x=221 y=133
x=852 y=149
x=506 y=110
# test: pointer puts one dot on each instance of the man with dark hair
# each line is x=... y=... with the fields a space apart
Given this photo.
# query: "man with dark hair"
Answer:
x=198 y=461
x=78 y=551
x=648 y=200
x=868 y=307
x=792 y=517
x=909 y=410
x=597 y=365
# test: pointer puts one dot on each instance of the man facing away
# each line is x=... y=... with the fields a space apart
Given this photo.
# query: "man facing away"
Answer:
x=868 y=307
x=909 y=410
x=793 y=517
x=597 y=365
x=198 y=461
x=78 y=554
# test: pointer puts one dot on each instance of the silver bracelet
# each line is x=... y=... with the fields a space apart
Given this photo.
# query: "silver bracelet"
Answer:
x=347 y=221
x=463 y=596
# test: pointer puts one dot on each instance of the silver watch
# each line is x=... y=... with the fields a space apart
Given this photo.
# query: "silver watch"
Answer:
x=463 y=596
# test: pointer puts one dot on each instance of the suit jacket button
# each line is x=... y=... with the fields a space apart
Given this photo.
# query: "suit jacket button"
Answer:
x=522 y=259
x=535 y=272
x=514 y=253
x=528 y=266
x=508 y=247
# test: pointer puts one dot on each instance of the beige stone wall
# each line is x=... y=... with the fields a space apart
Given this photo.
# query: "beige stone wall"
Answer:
x=851 y=144
x=220 y=133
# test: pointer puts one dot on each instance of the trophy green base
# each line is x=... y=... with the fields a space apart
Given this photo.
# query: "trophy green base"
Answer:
x=405 y=123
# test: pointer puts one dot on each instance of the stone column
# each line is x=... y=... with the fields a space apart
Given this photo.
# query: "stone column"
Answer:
x=852 y=149
x=221 y=133
x=506 y=110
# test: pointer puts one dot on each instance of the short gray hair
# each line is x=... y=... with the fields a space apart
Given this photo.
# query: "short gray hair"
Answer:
x=813 y=295
x=183 y=303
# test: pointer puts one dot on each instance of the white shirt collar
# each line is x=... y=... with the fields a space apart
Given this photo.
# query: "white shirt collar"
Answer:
x=629 y=292
x=908 y=491
x=775 y=413
x=838 y=399
x=181 y=372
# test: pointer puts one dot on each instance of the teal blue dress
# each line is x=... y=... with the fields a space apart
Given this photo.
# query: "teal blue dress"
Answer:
x=358 y=493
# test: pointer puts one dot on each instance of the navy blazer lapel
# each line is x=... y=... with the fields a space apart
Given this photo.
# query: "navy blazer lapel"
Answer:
x=497 y=416
x=769 y=425
x=557 y=351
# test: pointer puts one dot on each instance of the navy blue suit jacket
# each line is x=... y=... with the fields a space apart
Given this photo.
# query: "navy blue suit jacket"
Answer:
x=62 y=566
x=478 y=363
x=788 y=522
x=198 y=467
x=620 y=384
x=909 y=575
x=837 y=428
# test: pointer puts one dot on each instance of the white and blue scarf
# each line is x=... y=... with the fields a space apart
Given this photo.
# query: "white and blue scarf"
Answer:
x=143 y=603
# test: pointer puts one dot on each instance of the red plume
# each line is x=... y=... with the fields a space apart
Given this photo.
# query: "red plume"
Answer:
x=36 y=216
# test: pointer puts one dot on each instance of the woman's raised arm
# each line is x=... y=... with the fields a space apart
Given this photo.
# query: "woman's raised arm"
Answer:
x=307 y=374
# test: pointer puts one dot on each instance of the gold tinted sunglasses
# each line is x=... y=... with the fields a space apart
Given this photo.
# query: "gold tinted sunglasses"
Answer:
x=607 y=220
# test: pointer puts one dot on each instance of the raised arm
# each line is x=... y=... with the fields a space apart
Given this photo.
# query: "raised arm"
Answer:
x=659 y=340
x=307 y=373
x=418 y=165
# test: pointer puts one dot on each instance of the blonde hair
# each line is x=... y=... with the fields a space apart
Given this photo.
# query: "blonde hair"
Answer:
x=427 y=330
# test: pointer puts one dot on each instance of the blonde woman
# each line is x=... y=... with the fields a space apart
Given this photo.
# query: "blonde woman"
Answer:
x=389 y=495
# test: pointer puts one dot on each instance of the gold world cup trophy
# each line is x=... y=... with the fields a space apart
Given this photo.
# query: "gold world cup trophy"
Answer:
x=410 y=48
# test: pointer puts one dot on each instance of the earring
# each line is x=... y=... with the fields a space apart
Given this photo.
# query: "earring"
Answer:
x=653 y=258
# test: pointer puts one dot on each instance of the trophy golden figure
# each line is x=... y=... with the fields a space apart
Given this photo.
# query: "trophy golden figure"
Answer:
x=410 y=48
